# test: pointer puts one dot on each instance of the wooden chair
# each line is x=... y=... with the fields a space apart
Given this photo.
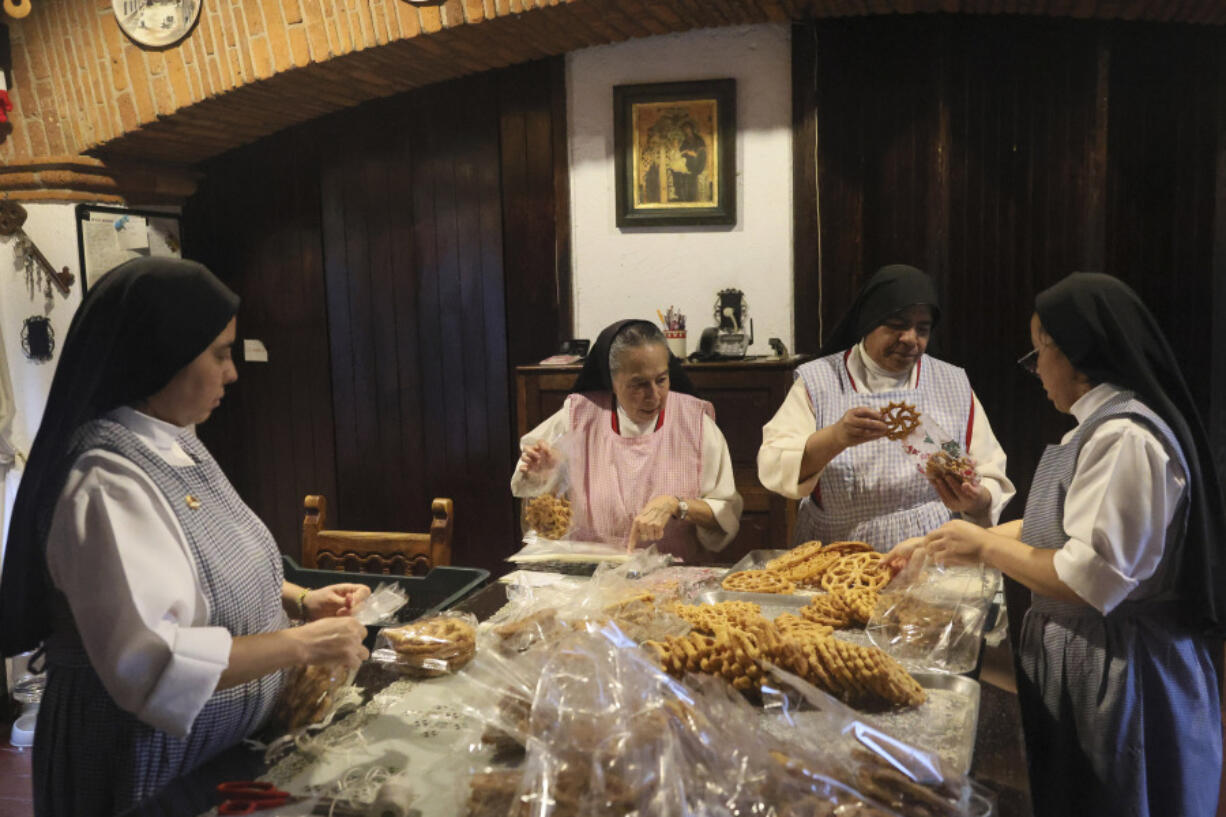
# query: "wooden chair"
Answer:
x=408 y=554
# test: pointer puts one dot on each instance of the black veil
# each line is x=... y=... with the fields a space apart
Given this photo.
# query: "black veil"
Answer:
x=891 y=289
x=136 y=328
x=597 y=377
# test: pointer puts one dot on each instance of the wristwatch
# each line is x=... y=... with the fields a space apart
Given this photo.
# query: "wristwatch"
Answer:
x=683 y=508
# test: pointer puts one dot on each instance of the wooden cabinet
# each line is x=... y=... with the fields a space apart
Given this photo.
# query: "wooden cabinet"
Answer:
x=745 y=393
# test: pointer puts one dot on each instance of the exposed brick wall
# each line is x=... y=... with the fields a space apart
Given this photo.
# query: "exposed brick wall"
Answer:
x=252 y=67
x=79 y=81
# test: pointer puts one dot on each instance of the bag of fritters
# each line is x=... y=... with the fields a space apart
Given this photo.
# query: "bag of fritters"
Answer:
x=545 y=512
x=932 y=617
x=934 y=450
x=429 y=647
x=312 y=693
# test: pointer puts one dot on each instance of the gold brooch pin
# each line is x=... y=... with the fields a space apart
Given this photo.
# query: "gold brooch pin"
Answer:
x=192 y=502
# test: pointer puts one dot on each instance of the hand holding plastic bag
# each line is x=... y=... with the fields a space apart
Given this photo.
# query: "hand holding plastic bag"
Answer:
x=546 y=507
x=932 y=616
x=312 y=692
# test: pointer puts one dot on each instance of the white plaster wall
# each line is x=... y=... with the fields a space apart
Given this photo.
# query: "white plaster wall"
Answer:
x=622 y=273
x=53 y=228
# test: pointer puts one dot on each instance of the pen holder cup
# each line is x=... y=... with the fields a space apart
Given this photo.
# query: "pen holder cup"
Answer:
x=676 y=341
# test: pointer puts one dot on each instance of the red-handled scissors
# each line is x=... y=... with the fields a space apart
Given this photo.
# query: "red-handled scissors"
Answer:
x=247 y=796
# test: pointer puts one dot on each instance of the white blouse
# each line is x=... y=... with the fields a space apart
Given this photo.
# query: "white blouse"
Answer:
x=1124 y=493
x=784 y=437
x=717 y=486
x=116 y=550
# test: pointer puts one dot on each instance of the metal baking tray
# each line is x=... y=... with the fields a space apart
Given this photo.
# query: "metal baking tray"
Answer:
x=945 y=724
x=775 y=604
x=772 y=604
x=755 y=560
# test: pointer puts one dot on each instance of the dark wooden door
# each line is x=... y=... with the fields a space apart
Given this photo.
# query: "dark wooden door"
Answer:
x=371 y=254
x=412 y=237
x=1001 y=154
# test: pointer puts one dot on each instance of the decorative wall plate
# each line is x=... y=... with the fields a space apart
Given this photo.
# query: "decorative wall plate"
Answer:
x=156 y=23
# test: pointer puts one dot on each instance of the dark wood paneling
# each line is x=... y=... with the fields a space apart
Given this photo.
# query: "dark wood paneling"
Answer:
x=370 y=252
x=414 y=242
x=256 y=224
x=536 y=210
x=1024 y=150
x=806 y=243
x=1000 y=154
x=1160 y=191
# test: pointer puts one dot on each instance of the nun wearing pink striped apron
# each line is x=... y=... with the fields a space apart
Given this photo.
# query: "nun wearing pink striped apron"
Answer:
x=617 y=476
x=646 y=462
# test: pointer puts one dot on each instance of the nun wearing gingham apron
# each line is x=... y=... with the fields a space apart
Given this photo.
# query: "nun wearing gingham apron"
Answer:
x=1122 y=545
x=156 y=593
x=826 y=444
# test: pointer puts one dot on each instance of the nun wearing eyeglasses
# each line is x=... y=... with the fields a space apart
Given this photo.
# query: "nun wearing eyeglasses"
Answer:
x=158 y=595
x=648 y=465
x=1123 y=545
x=827 y=445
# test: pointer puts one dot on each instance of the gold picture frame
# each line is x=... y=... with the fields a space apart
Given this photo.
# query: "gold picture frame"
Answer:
x=675 y=153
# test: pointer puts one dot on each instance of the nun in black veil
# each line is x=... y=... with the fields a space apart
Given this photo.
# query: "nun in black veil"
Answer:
x=157 y=594
x=825 y=445
x=647 y=462
x=1123 y=545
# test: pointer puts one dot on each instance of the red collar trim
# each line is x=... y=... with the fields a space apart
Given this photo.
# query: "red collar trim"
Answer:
x=617 y=426
x=850 y=379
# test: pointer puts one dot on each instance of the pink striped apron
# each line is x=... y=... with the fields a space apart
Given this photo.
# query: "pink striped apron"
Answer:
x=613 y=476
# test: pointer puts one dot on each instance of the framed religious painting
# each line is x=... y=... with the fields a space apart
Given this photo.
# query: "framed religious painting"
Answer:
x=675 y=153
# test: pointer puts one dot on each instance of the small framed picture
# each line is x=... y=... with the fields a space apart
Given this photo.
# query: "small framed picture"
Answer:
x=675 y=153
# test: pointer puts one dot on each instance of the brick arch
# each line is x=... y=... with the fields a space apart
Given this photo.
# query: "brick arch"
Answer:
x=98 y=117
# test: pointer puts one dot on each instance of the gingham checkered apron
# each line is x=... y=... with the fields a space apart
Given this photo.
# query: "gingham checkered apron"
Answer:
x=874 y=492
x=613 y=476
x=1120 y=711
x=91 y=757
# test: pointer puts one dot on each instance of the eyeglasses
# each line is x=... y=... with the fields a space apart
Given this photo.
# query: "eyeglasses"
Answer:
x=1030 y=362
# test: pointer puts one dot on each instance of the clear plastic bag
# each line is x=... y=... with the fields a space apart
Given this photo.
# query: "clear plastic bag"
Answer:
x=429 y=647
x=934 y=450
x=932 y=616
x=601 y=731
x=835 y=741
x=311 y=693
x=545 y=510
